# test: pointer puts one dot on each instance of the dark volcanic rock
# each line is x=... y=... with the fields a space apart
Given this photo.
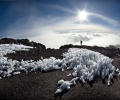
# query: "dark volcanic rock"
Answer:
x=36 y=54
x=7 y=41
x=42 y=86
x=66 y=46
x=22 y=41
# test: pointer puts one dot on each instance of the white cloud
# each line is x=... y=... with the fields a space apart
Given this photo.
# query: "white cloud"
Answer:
x=55 y=31
x=56 y=40
x=63 y=9
x=83 y=28
x=108 y=20
x=105 y=40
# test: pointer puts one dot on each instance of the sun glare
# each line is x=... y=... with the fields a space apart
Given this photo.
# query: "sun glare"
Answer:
x=82 y=15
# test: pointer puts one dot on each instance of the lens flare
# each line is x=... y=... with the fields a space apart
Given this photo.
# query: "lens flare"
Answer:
x=82 y=15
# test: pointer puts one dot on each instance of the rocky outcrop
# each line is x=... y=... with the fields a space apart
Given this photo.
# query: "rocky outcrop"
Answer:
x=7 y=41
x=66 y=46
x=22 y=41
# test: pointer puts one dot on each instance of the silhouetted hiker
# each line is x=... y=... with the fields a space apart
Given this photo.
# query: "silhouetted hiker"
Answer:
x=81 y=43
x=118 y=50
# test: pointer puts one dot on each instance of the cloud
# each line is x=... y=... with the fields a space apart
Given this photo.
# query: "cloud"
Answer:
x=83 y=28
x=63 y=9
x=78 y=38
x=105 y=40
x=108 y=20
x=56 y=31
x=56 y=40
x=34 y=26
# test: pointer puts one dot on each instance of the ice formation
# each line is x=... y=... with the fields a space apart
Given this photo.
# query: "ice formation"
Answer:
x=66 y=84
x=86 y=65
x=10 y=67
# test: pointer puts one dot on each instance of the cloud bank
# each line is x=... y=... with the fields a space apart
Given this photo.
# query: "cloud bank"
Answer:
x=56 y=40
x=54 y=31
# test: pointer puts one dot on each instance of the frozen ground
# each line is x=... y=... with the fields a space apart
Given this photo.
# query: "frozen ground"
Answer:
x=86 y=65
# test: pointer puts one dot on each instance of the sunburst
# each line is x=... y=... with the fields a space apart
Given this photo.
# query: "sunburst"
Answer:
x=82 y=15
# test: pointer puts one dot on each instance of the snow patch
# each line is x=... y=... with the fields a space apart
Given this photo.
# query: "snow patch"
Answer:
x=16 y=73
x=86 y=64
x=69 y=74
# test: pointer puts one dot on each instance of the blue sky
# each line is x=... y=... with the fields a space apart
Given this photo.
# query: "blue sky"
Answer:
x=46 y=20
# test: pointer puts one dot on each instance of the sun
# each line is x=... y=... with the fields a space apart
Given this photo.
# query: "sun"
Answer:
x=82 y=15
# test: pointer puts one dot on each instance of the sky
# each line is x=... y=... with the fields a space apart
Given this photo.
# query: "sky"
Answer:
x=58 y=22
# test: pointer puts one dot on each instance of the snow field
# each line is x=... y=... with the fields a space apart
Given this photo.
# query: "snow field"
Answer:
x=10 y=67
x=86 y=65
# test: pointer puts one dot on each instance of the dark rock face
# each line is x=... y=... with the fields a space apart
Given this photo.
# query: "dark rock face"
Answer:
x=42 y=86
x=7 y=41
x=22 y=41
x=66 y=46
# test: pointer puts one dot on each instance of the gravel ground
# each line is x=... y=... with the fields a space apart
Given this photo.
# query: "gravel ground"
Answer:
x=42 y=86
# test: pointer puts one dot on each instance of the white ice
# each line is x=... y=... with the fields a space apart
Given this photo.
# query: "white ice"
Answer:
x=86 y=64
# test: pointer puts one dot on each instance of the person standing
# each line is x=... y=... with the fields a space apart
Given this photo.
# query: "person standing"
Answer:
x=81 y=43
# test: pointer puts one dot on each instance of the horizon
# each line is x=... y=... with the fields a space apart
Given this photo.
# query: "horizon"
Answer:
x=71 y=45
x=55 y=23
